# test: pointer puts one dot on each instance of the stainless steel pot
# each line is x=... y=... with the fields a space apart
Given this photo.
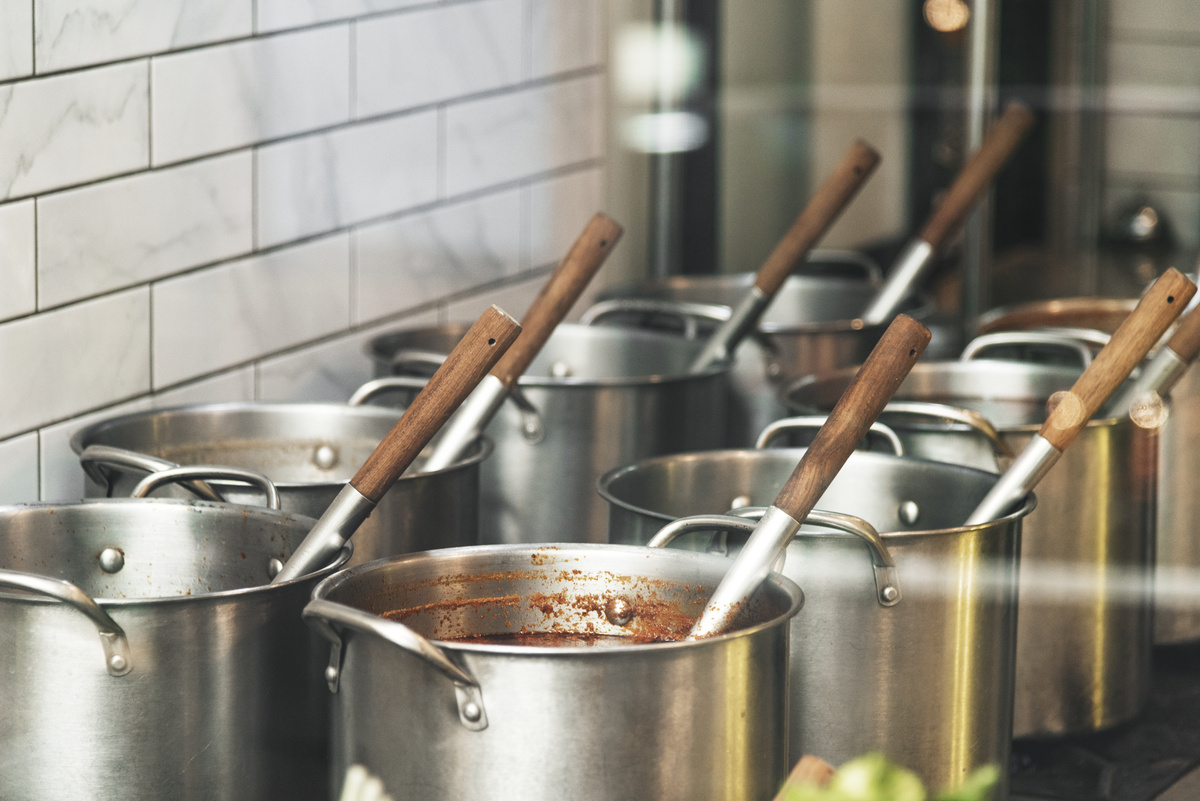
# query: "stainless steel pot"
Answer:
x=594 y=398
x=811 y=326
x=309 y=450
x=676 y=721
x=924 y=674
x=1176 y=614
x=146 y=657
x=1085 y=636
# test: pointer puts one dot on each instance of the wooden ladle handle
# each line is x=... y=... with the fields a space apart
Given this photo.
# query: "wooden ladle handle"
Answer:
x=877 y=380
x=1144 y=326
x=467 y=364
x=558 y=295
x=1186 y=339
x=824 y=207
x=999 y=143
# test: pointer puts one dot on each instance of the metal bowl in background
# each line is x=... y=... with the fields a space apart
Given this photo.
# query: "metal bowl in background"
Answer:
x=309 y=450
x=676 y=721
x=594 y=398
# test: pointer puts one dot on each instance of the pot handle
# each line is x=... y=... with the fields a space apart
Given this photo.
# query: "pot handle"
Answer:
x=325 y=617
x=745 y=519
x=690 y=313
x=786 y=424
x=417 y=357
x=94 y=457
x=378 y=386
x=941 y=411
x=1002 y=338
x=192 y=472
x=117 y=660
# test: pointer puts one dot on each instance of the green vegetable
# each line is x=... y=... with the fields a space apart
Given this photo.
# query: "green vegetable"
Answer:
x=874 y=778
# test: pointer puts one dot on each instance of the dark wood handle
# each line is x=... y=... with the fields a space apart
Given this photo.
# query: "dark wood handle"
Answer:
x=999 y=143
x=467 y=364
x=876 y=382
x=558 y=295
x=1144 y=326
x=824 y=207
x=1186 y=339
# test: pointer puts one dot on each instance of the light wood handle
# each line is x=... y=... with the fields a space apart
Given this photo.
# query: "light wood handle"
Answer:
x=809 y=770
x=467 y=364
x=824 y=207
x=1186 y=339
x=876 y=382
x=1144 y=326
x=558 y=295
x=999 y=143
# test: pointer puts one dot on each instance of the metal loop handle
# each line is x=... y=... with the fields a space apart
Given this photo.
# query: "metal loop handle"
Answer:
x=744 y=519
x=213 y=472
x=941 y=411
x=814 y=421
x=95 y=456
x=417 y=357
x=117 y=659
x=688 y=312
x=533 y=429
x=825 y=258
x=1051 y=338
x=378 y=386
x=326 y=616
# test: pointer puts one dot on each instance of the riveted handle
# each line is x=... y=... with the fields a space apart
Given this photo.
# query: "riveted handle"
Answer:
x=998 y=144
x=1186 y=339
x=475 y=354
x=1155 y=312
x=878 y=379
x=824 y=207
x=558 y=295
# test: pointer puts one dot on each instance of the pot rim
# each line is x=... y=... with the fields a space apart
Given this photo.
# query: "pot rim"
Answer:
x=796 y=596
x=794 y=454
x=79 y=441
x=197 y=506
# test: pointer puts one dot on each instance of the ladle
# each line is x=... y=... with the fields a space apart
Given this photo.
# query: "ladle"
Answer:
x=877 y=380
x=479 y=350
x=556 y=298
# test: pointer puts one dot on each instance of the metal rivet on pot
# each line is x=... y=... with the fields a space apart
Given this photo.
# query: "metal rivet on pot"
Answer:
x=111 y=561
x=910 y=513
x=890 y=593
x=560 y=370
x=471 y=711
x=618 y=611
x=325 y=456
x=116 y=662
x=273 y=567
x=739 y=502
x=331 y=673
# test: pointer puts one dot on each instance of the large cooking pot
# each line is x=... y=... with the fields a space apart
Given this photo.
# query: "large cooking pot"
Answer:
x=309 y=450
x=1084 y=640
x=613 y=721
x=1176 y=616
x=594 y=398
x=922 y=671
x=146 y=657
x=810 y=326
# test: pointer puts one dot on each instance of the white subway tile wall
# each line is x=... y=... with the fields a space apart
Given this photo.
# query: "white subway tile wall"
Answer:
x=1152 y=130
x=226 y=199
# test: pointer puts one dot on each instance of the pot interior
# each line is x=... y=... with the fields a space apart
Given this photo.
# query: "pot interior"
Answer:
x=162 y=548
x=502 y=591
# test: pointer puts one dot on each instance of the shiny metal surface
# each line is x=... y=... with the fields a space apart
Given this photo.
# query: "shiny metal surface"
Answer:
x=1084 y=649
x=672 y=721
x=927 y=681
x=223 y=697
x=810 y=327
x=310 y=451
x=606 y=397
x=1176 y=617
x=909 y=265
